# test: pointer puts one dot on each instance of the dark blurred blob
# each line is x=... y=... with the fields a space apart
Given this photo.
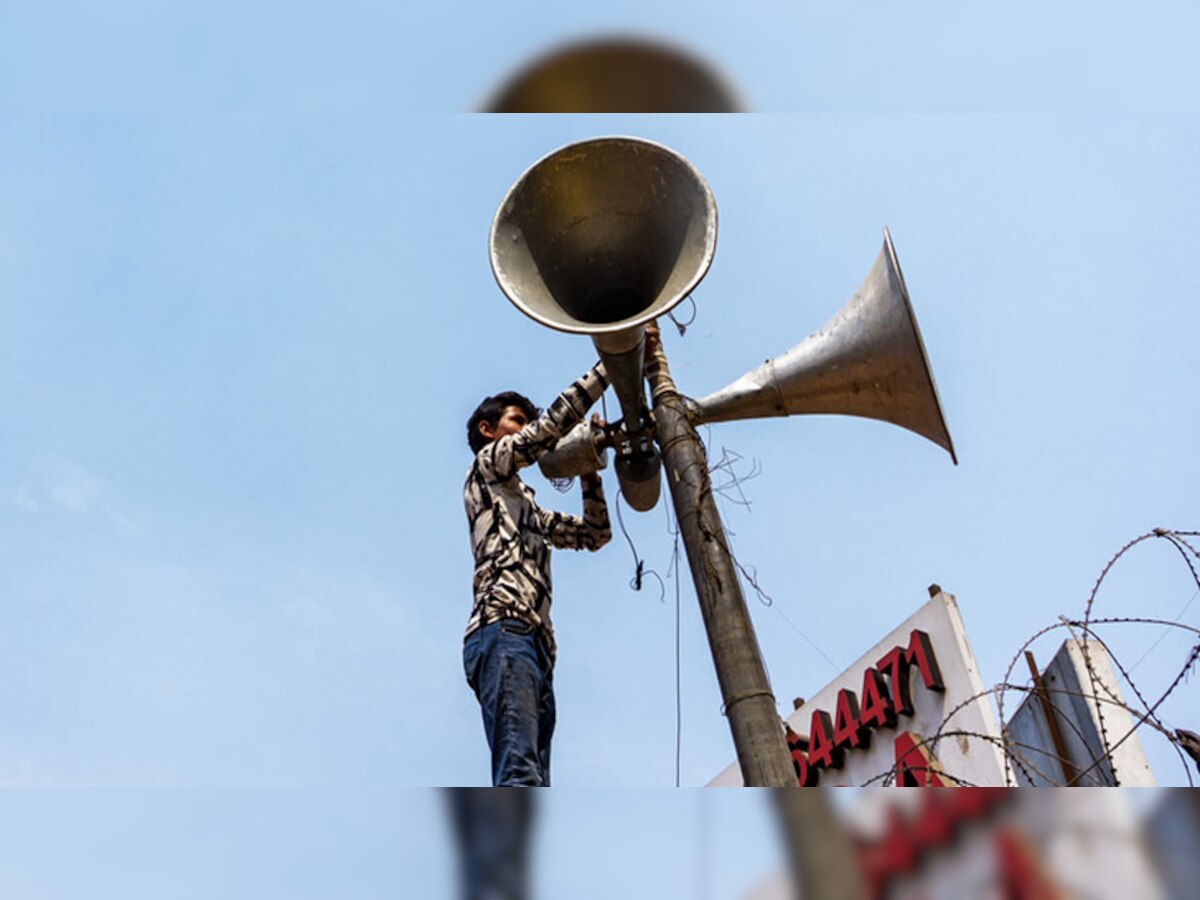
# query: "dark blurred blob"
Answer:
x=492 y=827
x=1190 y=742
x=615 y=74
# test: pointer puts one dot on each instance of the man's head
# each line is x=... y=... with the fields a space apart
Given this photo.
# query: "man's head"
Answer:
x=495 y=417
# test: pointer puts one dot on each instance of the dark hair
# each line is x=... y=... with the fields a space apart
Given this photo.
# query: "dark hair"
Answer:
x=490 y=411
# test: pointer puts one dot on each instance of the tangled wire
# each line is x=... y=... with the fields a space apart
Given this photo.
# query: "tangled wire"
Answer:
x=1038 y=765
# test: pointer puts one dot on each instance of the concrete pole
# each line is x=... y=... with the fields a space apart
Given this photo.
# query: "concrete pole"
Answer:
x=820 y=851
x=824 y=864
x=749 y=704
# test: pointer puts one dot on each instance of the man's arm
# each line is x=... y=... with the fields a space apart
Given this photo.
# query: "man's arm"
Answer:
x=502 y=457
x=591 y=531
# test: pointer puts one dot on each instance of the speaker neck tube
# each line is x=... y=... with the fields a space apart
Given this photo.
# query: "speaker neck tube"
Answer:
x=622 y=354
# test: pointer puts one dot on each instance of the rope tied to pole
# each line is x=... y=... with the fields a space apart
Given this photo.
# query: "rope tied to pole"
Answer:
x=747 y=695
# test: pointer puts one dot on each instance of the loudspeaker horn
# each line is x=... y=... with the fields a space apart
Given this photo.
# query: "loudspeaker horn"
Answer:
x=868 y=360
x=599 y=238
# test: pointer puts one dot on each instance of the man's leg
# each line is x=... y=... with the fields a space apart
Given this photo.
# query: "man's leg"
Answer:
x=547 y=716
x=508 y=678
x=493 y=829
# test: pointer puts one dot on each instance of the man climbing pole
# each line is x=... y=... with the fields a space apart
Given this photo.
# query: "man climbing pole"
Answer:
x=509 y=649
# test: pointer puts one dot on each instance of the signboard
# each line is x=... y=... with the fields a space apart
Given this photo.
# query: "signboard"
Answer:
x=880 y=714
x=1068 y=698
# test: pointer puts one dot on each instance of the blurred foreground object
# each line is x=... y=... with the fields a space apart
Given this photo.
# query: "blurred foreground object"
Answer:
x=958 y=843
x=615 y=74
x=492 y=827
x=823 y=859
x=1173 y=834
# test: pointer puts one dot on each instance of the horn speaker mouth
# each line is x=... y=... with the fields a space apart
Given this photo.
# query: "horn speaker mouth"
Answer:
x=603 y=235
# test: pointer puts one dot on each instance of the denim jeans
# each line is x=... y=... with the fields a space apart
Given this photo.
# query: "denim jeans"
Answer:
x=494 y=829
x=512 y=676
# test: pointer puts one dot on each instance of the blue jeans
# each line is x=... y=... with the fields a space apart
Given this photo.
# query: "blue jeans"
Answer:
x=494 y=829
x=512 y=676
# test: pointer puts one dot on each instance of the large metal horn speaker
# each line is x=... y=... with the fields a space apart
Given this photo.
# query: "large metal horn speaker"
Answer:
x=868 y=360
x=599 y=238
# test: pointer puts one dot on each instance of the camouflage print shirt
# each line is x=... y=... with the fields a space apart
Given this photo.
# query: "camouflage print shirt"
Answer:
x=511 y=535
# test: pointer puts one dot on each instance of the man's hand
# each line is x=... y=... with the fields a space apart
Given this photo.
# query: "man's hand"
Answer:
x=591 y=479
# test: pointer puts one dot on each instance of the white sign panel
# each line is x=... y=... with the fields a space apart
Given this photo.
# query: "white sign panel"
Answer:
x=881 y=715
x=1070 y=699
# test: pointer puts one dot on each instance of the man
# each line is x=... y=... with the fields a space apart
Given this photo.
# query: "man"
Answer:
x=509 y=650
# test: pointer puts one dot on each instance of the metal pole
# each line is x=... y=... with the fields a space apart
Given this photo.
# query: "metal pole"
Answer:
x=1070 y=773
x=749 y=704
x=822 y=858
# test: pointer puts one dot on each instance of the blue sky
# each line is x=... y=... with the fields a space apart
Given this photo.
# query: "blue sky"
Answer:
x=239 y=353
x=801 y=56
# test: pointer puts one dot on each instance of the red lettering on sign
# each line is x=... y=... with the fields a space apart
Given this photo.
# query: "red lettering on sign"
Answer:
x=920 y=653
x=884 y=700
x=848 y=731
x=876 y=710
x=806 y=775
x=915 y=765
x=895 y=664
x=822 y=754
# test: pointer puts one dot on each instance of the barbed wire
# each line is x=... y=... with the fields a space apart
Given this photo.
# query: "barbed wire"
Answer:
x=1178 y=542
x=1097 y=692
x=1192 y=656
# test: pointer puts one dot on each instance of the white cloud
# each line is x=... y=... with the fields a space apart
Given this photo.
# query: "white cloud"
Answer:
x=72 y=489
x=59 y=485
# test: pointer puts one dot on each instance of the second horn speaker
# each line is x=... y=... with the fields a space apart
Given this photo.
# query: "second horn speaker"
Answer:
x=868 y=360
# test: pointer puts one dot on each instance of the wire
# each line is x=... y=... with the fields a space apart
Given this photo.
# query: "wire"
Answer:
x=1165 y=632
x=1097 y=691
x=683 y=326
x=640 y=570
x=678 y=673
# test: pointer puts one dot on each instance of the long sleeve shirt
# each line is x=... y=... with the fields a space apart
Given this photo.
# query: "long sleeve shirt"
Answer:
x=511 y=535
